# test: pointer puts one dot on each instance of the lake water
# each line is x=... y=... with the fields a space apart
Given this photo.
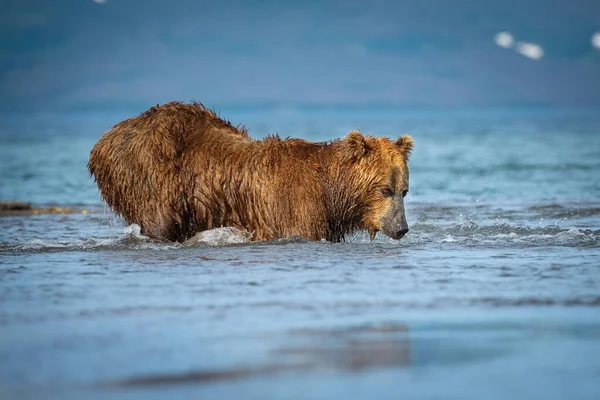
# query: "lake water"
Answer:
x=493 y=294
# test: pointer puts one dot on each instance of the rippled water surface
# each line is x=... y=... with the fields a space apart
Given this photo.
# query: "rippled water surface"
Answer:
x=494 y=292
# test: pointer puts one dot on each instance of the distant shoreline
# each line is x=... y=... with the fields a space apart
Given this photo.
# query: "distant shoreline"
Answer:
x=12 y=208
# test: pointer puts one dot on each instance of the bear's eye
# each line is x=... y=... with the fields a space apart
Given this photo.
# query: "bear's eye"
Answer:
x=387 y=192
x=404 y=193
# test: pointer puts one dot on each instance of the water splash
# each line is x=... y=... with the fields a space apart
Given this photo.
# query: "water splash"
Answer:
x=219 y=237
x=463 y=232
x=135 y=231
x=131 y=239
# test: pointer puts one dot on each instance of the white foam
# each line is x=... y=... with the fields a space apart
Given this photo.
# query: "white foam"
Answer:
x=37 y=244
x=131 y=239
x=449 y=239
x=134 y=230
x=511 y=235
x=457 y=234
x=219 y=237
x=574 y=235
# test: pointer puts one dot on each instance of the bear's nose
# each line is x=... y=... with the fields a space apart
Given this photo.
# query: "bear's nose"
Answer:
x=401 y=233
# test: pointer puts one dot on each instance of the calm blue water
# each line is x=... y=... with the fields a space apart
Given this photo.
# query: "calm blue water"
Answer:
x=494 y=293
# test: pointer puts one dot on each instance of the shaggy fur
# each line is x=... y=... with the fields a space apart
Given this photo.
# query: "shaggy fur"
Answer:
x=178 y=169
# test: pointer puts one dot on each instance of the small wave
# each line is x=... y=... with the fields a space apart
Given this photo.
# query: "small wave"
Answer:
x=590 y=301
x=132 y=239
x=468 y=234
x=449 y=239
x=231 y=236
x=568 y=237
x=471 y=228
x=487 y=236
x=38 y=244
x=557 y=211
x=290 y=240
x=494 y=235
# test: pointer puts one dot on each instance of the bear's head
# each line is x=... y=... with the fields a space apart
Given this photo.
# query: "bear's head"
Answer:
x=379 y=174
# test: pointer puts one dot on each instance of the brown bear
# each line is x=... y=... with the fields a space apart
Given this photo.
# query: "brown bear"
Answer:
x=178 y=169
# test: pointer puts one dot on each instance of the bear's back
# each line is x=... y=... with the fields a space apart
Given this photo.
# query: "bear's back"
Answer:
x=173 y=128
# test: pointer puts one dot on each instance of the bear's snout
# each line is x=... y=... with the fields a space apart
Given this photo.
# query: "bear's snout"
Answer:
x=394 y=224
x=395 y=229
x=400 y=234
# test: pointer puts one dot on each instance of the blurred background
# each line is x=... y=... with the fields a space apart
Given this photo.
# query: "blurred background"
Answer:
x=124 y=56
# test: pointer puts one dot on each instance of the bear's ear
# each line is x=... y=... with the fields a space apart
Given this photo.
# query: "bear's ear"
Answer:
x=357 y=145
x=405 y=144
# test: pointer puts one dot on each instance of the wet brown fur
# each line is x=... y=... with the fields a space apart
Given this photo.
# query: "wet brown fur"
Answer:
x=178 y=169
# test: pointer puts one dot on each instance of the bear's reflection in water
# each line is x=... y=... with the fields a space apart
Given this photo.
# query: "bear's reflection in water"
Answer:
x=354 y=349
